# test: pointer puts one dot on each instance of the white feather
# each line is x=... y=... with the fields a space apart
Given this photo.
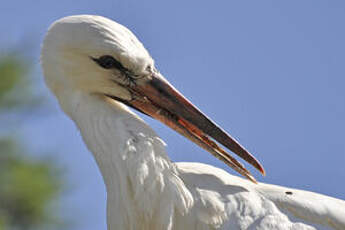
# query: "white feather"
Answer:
x=145 y=190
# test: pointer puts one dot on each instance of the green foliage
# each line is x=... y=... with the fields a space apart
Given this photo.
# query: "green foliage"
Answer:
x=11 y=73
x=28 y=187
x=13 y=87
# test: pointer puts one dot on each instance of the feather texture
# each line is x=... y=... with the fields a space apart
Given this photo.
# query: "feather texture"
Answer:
x=145 y=190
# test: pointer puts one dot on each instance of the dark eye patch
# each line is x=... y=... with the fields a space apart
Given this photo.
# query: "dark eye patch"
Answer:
x=109 y=62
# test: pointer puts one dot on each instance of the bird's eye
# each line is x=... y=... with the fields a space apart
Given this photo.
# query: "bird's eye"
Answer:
x=107 y=62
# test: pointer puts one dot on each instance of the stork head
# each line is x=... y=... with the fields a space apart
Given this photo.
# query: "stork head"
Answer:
x=98 y=56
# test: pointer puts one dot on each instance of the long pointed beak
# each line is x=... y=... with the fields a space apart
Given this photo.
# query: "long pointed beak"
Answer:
x=160 y=100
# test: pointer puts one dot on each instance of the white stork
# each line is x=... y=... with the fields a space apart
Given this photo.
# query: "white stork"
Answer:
x=97 y=68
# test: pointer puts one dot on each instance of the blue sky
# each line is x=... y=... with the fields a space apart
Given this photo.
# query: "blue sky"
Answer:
x=271 y=73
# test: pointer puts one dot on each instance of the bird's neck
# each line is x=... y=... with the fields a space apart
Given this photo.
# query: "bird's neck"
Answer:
x=138 y=174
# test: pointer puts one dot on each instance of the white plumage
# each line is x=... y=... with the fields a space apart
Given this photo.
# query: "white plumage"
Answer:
x=95 y=66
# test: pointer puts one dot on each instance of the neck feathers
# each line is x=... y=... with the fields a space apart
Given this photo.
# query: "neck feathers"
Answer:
x=143 y=185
